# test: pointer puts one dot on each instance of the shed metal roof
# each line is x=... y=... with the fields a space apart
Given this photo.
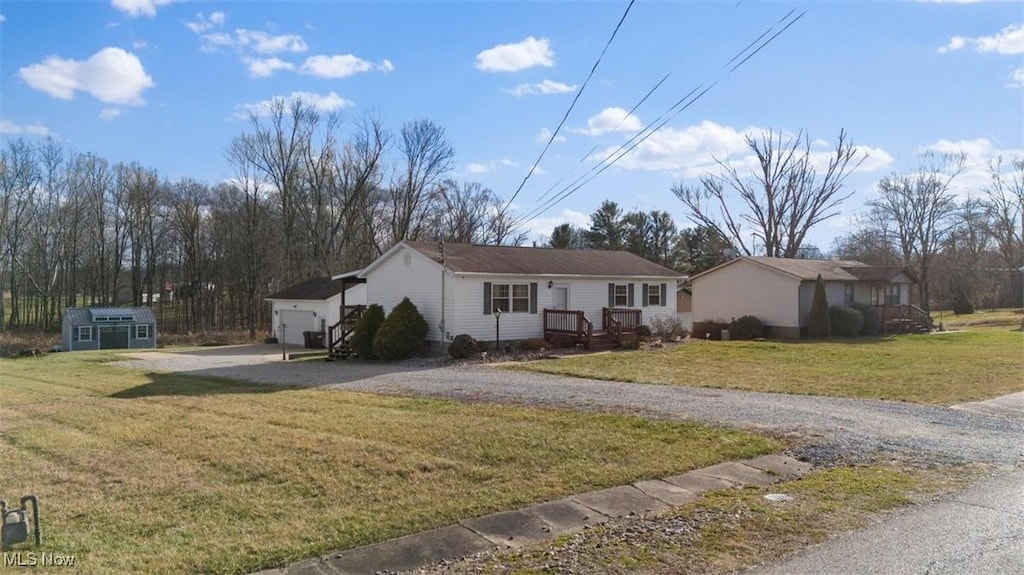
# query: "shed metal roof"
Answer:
x=88 y=315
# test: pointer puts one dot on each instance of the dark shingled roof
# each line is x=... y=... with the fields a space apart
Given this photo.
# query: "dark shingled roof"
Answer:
x=313 y=289
x=468 y=258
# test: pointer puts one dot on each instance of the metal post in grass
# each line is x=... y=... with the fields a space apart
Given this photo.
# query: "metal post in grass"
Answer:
x=284 y=355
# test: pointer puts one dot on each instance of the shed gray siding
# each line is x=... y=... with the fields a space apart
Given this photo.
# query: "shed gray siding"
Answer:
x=87 y=328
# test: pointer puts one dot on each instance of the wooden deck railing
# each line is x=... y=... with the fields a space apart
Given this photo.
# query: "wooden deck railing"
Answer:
x=574 y=323
x=904 y=315
x=619 y=320
x=339 y=332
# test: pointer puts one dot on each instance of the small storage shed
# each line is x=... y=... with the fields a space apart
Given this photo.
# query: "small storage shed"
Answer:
x=108 y=328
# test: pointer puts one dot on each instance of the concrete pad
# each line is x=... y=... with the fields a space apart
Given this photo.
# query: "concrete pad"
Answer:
x=510 y=528
x=621 y=501
x=782 y=465
x=566 y=516
x=737 y=473
x=696 y=483
x=1011 y=406
x=667 y=492
x=410 y=552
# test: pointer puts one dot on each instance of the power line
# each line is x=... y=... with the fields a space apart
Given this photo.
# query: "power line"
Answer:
x=571 y=106
x=682 y=104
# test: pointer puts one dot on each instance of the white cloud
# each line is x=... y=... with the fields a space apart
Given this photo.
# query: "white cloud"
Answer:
x=342 y=66
x=264 y=68
x=1009 y=42
x=542 y=227
x=136 y=8
x=477 y=168
x=330 y=102
x=111 y=75
x=694 y=151
x=139 y=44
x=205 y=24
x=9 y=127
x=257 y=41
x=613 y=119
x=978 y=153
x=519 y=56
x=109 y=113
x=542 y=88
x=545 y=134
x=1017 y=80
x=3 y=18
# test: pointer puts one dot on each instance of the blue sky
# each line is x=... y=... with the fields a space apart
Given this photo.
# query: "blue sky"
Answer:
x=167 y=83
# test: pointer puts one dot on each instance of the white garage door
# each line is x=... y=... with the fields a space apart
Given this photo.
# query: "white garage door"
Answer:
x=295 y=321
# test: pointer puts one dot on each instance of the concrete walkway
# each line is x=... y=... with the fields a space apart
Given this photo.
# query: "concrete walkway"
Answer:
x=1011 y=406
x=978 y=531
x=545 y=521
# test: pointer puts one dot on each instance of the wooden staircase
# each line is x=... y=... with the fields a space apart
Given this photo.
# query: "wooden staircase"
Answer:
x=603 y=341
x=906 y=319
x=339 y=333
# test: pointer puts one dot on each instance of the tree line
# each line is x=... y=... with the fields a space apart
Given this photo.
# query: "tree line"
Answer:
x=306 y=200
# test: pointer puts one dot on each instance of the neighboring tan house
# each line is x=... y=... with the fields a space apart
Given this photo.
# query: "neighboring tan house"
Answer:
x=314 y=305
x=524 y=292
x=779 y=291
x=108 y=328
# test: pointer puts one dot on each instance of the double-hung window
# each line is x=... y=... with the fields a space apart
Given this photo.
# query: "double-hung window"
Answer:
x=621 y=295
x=654 y=294
x=85 y=333
x=892 y=294
x=848 y=294
x=510 y=298
x=142 y=331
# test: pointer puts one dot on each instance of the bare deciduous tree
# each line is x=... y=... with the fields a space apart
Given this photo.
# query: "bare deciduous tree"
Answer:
x=784 y=198
x=426 y=158
x=918 y=208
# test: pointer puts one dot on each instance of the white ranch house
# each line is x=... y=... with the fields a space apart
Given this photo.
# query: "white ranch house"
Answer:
x=535 y=291
x=779 y=292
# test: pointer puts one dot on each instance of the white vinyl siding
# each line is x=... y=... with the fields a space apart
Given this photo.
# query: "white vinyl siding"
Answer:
x=420 y=281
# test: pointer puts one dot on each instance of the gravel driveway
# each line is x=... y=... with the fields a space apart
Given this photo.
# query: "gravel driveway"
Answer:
x=846 y=425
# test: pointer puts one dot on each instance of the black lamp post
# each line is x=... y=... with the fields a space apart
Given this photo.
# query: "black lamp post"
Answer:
x=497 y=330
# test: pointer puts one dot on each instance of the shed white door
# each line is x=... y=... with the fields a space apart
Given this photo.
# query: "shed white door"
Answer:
x=292 y=322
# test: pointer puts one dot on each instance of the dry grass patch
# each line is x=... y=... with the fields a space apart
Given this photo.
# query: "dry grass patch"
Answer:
x=944 y=368
x=156 y=473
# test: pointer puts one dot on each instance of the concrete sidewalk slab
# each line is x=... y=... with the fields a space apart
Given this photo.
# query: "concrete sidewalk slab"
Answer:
x=567 y=516
x=408 y=553
x=737 y=473
x=782 y=465
x=621 y=501
x=697 y=483
x=510 y=528
x=666 y=492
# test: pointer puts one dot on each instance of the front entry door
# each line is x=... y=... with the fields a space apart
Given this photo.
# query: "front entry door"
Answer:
x=561 y=297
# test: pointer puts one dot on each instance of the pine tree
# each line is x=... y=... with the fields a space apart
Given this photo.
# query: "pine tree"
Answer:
x=819 y=324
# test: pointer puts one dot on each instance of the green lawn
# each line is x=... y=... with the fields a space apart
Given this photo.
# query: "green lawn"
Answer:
x=942 y=368
x=156 y=473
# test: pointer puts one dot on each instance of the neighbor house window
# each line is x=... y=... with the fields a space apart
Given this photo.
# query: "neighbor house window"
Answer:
x=876 y=295
x=654 y=294
x=85 y=333
x=848 y=296
x=621 y=295
x=142 y=331
x=892 y=294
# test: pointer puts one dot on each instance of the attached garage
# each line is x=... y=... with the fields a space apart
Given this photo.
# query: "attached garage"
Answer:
x=313 y=305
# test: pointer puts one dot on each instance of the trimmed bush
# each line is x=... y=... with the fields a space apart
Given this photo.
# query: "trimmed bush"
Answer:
x=818 y=325
x=642 y=331
x=402 y=334
x=534 y=344
x=668 y=326
x=870 y=316
x=746 y=327
x=365 y=330
x=846 y=321
x=463 y=347
x=709 y=330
